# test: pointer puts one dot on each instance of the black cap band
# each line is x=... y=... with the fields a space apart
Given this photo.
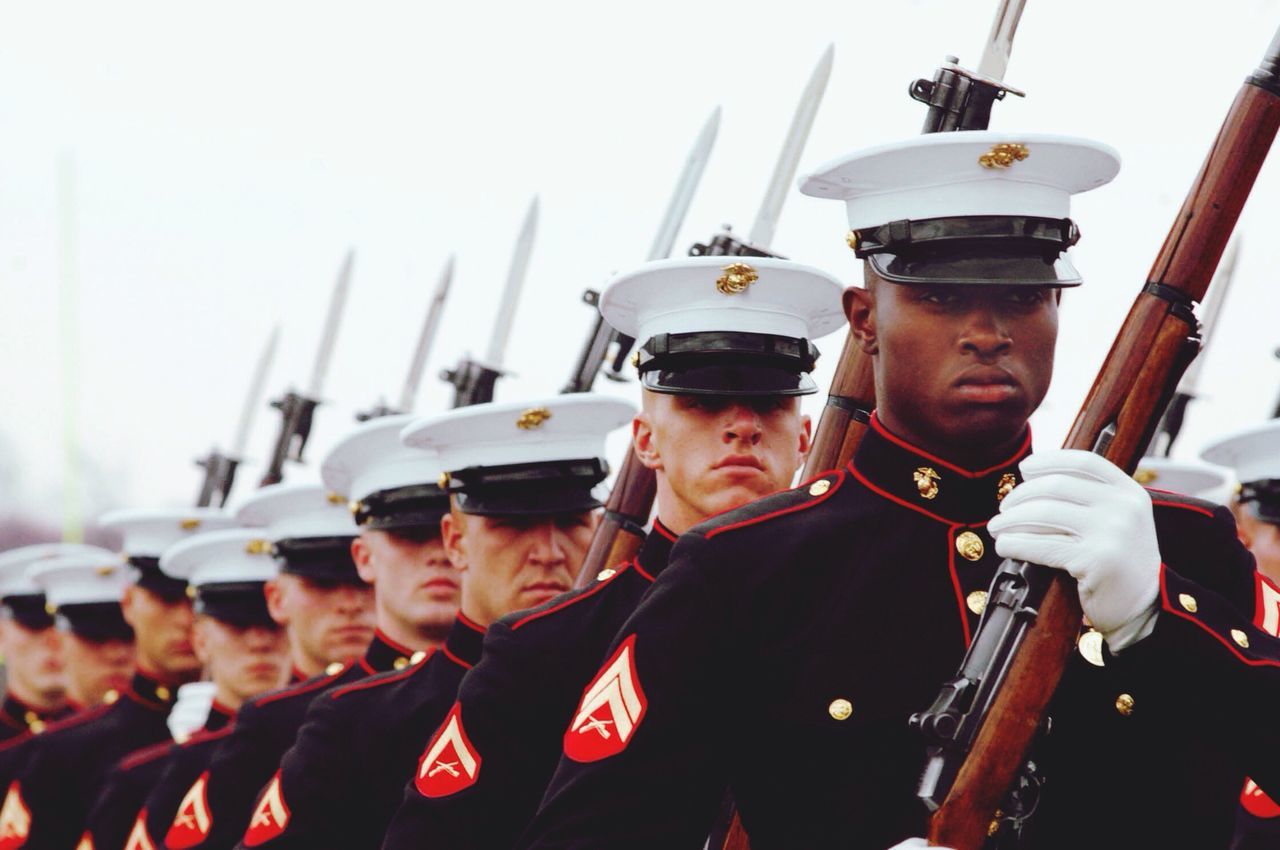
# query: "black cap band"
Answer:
x=529 y=489
x=96 y=622
x=29 y=610
x=153 y=579
x=419 y=506
x=984 y=250
x=727 y=363
x=1265 y=496
x=240 y=604
x=320 y=559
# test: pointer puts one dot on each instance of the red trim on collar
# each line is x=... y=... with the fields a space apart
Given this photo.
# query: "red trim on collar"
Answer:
x=586 y=594
x=835 y=485
x=892 y=498
x=901 y=443
x=660 y=528
x=455 y=659
x=379 y=634
x=470 y=623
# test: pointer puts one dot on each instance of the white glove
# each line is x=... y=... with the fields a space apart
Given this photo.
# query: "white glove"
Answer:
x=1078 y=512
x=191 y=709
x=915 y=844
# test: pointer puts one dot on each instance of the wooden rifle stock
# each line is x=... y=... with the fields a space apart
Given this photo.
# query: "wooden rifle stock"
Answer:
x=621 y=530
x=1131 y=390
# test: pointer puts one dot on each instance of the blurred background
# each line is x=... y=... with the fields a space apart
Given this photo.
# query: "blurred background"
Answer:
x=177 y=178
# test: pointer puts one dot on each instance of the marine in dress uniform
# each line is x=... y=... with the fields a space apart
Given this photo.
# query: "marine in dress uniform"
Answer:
x=242 y=649
x=785 y=647
x=722 y=372
x=311 y=534
x=522 y=478
x=1253 y=456
x=63 y=769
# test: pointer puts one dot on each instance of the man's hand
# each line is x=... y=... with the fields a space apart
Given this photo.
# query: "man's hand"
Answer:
x=1077 y=512
x=916 y=844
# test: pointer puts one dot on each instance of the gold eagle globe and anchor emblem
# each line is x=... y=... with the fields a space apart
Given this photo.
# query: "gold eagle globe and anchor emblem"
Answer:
x=1004 y=155
x=926 y=478
x=736 y=278
x=533 y=418
x=1006 y=485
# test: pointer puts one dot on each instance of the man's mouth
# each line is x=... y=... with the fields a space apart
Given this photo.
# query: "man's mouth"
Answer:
x=739 y=462
x=987 y=385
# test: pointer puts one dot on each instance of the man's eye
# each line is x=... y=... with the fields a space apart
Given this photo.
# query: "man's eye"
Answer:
x=1026 y=296
x=938 y=296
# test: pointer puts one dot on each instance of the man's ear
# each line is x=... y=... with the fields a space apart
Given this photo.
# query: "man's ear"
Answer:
x=859 y=309
x=806 y=436
x=200 y=641
x=362 y=554
x=275 y=592
x=451 y=538
x=129 y=605
x=646 y=448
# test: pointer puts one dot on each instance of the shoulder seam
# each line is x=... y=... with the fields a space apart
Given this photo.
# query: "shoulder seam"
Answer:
x=301 y=688
x=799 y=506
x=587 y=594
x=379 y=681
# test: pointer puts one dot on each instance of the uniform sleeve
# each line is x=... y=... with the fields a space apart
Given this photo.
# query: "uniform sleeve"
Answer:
x=240 y=766
x=507 y=736
x=312 y=785
x=116 y=808
x=57 y=794
x=643 y=763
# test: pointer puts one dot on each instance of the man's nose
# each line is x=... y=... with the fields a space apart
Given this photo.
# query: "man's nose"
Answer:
x=985 y=334
x=742 y=424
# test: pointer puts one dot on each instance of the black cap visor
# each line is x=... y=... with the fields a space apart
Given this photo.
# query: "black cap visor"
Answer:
x=240 y=604
x=95 y=622
x=727 y=363
x=988 y=269
x=416 y=509
x=1263 y=497
x=29 y=611
x=153 y=579
x=325 y=560
x=534 y=489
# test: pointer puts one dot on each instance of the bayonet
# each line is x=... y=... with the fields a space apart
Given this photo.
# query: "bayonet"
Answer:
x=960 y=99
x=602 y=337
x=725 y=243
x=784 y=172
x=473 y=380
x=220 y=469
x=297 y=410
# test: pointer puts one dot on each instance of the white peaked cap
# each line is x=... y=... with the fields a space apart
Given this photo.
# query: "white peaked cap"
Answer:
x=15 y=563
x=1179 y=476
x=217 y=557
x=1254 y=453
x=82 y=577
x=685 y=296
x=564 y=427
x=290 y=511
x=939 y=175
x=371 y=459
x=191 y=709
x=148 y=532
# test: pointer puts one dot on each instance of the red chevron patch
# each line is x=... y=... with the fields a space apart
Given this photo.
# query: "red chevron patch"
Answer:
x=193 y=821
x=611 y=709
x=270 y=817
x=450 y=763
x=1257 y=803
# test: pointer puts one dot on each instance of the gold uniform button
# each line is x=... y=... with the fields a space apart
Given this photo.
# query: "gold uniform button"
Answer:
x=333 y=669
x=1186 y=600
x=400 y=663
x=1090 y=646
x=30 y=717
x=817 y=488
x=110 y=696
x=606 y=574
x=417 y=656
x=36 y=727
x=977 y=601
x=840 y=709
x=970 y=546
x=1240 y=638
x=1124 y=704
x=162 y=693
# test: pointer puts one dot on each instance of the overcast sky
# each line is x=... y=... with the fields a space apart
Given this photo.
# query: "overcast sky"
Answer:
x=225 y=156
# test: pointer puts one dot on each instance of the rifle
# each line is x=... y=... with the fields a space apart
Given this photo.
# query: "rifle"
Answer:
x=297 y=409
x=602 y=339
x=473 y=380
x=982 y=723
x=425 y=338
x=622 y=531
x=1171 y=420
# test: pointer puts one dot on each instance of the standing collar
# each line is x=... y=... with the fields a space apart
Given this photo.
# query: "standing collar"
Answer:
x=385 y=654
x=150 y=691
x=22 y=716
x=655 y=552
x=926 y=483
x=219 y=716
x=464 y=641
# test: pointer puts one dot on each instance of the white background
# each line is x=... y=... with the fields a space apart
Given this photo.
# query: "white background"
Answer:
x=226 y=155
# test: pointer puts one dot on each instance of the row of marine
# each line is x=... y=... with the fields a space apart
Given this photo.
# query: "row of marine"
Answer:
x=476 y=632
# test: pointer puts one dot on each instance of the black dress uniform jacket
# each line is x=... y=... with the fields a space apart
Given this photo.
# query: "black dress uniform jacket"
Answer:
x=515 y=704
x=112 y=817
x=244 y=761
x=63 y=769
x=345 y=775
x=784 y=648
x=18 y=719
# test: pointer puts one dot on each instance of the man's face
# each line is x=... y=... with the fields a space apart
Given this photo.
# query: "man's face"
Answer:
x=417 y=586
x=95 y=668
x=326 y=622
x=1262 y=539
x=713 y=453
x=162 y=632
x=241 y=662
x=510 y=563
x=958 y=369
x=33 y=660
